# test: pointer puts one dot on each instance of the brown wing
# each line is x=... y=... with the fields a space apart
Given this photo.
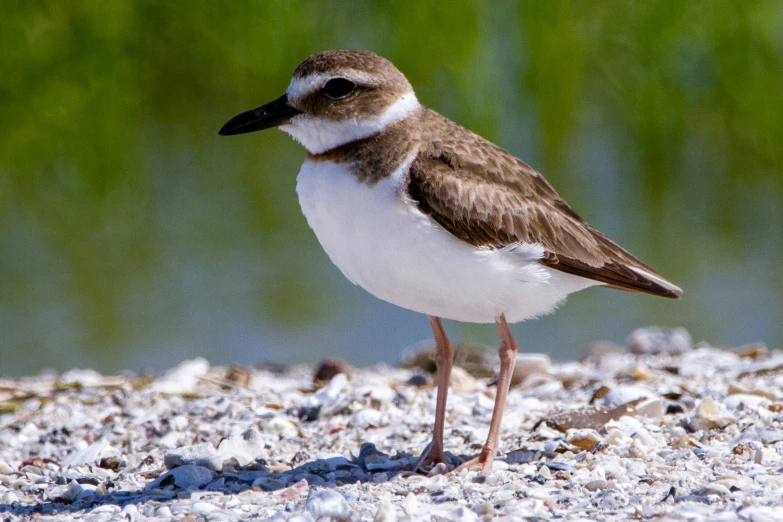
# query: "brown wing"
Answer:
x=488 y=198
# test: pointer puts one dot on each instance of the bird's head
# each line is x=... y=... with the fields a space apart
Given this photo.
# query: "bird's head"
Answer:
x=335 y=97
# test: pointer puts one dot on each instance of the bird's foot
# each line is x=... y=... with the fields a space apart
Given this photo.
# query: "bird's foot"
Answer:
x=431 y=458
x=484 y=461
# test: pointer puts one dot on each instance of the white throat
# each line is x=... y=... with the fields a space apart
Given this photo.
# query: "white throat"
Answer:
x=319 y=135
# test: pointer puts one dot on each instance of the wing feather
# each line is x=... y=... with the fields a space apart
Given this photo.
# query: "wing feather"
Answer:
x=488 y=198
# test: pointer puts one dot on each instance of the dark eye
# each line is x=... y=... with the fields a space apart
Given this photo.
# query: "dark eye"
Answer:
x=338 y=88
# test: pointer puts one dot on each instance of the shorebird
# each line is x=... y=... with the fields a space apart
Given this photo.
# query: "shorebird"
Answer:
x=429 y=216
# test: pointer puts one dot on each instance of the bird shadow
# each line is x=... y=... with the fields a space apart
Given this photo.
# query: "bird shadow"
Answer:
x=370 y=466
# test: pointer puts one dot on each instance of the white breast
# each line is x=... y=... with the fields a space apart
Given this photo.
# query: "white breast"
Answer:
x=381 y=242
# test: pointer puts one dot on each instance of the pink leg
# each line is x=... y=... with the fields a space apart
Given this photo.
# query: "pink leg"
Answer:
x=444 y=357
x=508 y=356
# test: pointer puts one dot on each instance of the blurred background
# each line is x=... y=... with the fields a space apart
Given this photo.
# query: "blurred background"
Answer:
x=132 y=236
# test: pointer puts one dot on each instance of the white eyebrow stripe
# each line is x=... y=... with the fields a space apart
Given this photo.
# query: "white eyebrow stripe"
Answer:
x=301 y=87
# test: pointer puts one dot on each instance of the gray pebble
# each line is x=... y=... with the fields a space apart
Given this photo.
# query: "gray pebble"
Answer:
x=204 y=455
x=183 y=477
x=596 y=485
x=522 y=457
x=163 y=512
x=269 y=483
x=655 y=340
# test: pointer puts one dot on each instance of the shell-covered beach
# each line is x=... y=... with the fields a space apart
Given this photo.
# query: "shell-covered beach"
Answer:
x=659 y=428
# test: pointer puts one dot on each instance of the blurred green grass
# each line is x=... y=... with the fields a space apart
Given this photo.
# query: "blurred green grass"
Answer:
x=127 y=226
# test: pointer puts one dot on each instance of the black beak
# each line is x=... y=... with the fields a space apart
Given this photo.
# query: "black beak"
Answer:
x=272 y=114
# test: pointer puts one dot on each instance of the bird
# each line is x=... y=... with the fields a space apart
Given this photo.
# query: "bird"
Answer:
x=429 y=216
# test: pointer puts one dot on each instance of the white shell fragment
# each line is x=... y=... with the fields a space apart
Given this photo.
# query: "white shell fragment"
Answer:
x=659 y=340
x=328 y=503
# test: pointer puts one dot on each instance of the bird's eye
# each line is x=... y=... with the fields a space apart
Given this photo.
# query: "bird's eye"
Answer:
x=337 y=88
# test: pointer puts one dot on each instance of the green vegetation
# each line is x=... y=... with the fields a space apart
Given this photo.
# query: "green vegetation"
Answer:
x=128 y=226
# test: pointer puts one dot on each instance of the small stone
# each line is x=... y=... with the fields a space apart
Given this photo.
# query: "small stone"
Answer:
x=540 y=493
x=86 y=456
x=419 y=380
x=625 y=394
x=81 y=378
x=766 y=456
x=110 y=510
x=9 y=497
x=732 y=402
x=588 y=418
x=422 y=359
x=600 y=393
x=328 y=400
x=296 y=517
x=770 y=436
x=366 y=418
x=737 y=389
x=708 y=416
x=461 y=381
x=309 y=412
x=183 y=378
x=327 y=503
x=112 y=463
x=314 y=480
x=239 y=376
x=760 y=513
x=327 y=370
x=750 y=351
x=435 y=483
x=245 y=448
x=73 y=491
x=378 y=462
x=473 y=359
x=646 y=341
x=652 y=409
x=130 y=511
x=203 y=509
x=712 y=490
x=596 y=485
x=163 y=512
x=5 y=468
x=484 y=508
x=203 y=454
x=411 y=505
x=183 y=477
x=705 y=362
x=557 y=465
x=438 y=469
x=583 y=439
x=541 y=386
x=641 y=373
x=568 y=373
x=529 y=364
x=523 y=456
x=386 y=512
x=370 y=459
x=269 y=483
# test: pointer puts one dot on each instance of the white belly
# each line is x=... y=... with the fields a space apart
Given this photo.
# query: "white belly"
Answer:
x=383 y=243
